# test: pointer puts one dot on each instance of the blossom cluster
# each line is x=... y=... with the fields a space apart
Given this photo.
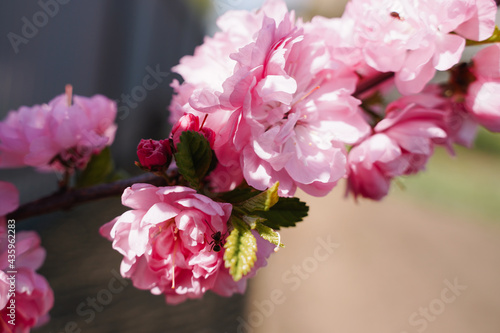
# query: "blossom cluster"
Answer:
x=270 y=104
x=286 y=102
x=61 y=135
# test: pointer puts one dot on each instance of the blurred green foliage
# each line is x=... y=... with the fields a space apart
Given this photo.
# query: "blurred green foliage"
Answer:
x=468 y=183
x=488 y=142
x=201 y=7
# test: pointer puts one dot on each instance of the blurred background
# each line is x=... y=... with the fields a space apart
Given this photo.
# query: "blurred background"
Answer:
x=427 y=258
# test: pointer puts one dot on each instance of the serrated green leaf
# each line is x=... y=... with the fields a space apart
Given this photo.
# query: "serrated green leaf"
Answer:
x=97 y=171
x=262 y=201
x=193 y=157
x=286 y=213
x=241 y=250
x=268 y=234
x=238 y=195
x=213 y=163
x=495 y=38
x=252 y=220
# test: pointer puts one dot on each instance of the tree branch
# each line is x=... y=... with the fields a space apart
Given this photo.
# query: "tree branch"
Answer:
x=73 y=197
x=372 y=82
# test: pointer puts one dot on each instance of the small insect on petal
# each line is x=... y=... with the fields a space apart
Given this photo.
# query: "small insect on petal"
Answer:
x=396 y=15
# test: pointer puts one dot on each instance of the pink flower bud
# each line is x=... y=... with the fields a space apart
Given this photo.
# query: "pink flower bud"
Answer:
x=209 y=135
x=190 y=122
x=154 y=155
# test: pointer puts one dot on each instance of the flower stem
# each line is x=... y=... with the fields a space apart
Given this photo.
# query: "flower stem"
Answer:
x=64 y=183
x=372 y=82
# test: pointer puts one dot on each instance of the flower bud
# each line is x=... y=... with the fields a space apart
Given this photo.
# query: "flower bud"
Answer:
x=154 y=155
x=190 y=122
x=209 y=135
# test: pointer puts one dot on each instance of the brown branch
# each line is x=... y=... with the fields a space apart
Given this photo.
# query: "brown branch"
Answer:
x=73 y=197
x=372 y=82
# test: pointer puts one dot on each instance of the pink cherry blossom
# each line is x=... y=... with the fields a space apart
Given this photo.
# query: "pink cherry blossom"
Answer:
x=446 y=113
x=482 y=96
x=286 y=107
x=372 y=165
x=59 y=135
x=480 y=22
x=211 y=63
x=166 y=242
x=190 y=122
x=416 y=38
x=206 y=71
x=293 y=111
x=340 y=38
x=33 y=296
x=225 y=177
x=416 y=129
x=402 y=144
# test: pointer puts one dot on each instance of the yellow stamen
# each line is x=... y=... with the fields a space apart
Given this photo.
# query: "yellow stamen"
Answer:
x=156 y=233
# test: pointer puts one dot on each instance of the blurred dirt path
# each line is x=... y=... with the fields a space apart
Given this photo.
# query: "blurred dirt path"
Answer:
x=390 y=267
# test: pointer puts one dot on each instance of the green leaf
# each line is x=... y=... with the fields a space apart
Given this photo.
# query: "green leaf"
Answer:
x=286 y=213
x=98 y=170
x=268 y=234
x=238 y=195
x=193 y=157
x=495 y=38
x=262 y=201
x=241 y=249
x=252 y=220
x=213 y=163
